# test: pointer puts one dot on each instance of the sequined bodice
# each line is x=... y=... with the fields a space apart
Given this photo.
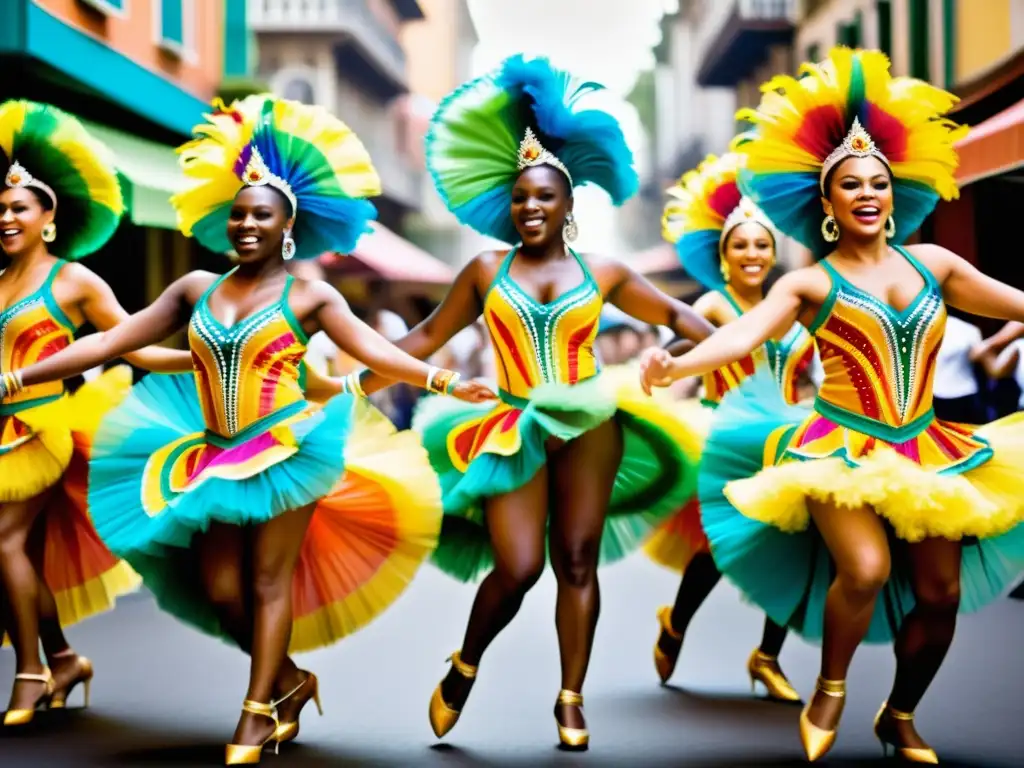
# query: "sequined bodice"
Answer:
x=879 y=364
x=787 y=358
x=249 y=371
x=537 y=343
x=31 y=330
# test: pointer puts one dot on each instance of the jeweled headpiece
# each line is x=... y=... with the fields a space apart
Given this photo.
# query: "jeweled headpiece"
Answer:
x=847 y=106
x=303 y=151
x=79 y=172
x=256 y=174
x=18 y=176
x=858 y=143
x=522 y=114
x=532 y=152
x=742 y=213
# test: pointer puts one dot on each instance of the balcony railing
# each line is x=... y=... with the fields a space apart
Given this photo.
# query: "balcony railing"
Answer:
x=734 y=37
x=352 y=18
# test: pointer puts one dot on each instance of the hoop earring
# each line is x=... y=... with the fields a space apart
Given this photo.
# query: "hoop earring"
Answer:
x=723 y=266
x=830 y=229
x=49 y=233
x=569 y=230
x=287 y=246
x=890 y=227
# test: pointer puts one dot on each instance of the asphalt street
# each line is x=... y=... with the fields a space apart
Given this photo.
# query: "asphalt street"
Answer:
x=166 y=696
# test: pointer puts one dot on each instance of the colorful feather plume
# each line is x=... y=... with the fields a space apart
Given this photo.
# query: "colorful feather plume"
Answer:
x=801 y=120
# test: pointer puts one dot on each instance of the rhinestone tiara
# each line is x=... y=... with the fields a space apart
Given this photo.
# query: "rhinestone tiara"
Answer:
x=745 y=211
x=18 y=177
x=256 y=174
x=858 y=143
x=532 y=152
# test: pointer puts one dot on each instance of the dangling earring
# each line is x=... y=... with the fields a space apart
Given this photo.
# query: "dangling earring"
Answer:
x=569 y=230
x=890 y=227
x=49 y=233
x=830 y=229
x=287 y=245
x=723 y=265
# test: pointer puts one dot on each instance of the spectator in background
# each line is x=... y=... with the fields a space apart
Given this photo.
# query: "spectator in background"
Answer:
x=956 y=392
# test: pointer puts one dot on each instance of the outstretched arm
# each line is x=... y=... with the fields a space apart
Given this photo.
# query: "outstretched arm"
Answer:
x=153 y=324
x=967 y=288
x=460 y=308
x=995 y=343
x=359 y=340
x=102 y=309
x=636 y=296
x=735 y=341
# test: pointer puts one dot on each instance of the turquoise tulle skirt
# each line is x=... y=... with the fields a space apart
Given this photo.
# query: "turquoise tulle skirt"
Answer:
x=479 y=451
x=788 y=574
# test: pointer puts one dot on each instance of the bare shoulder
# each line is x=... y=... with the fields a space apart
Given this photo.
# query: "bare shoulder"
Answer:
x=811 y=284
x=936 y=259
x=712 y=307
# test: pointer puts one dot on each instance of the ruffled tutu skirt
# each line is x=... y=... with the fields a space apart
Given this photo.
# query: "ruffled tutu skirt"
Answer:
x=483 y=450
x=157 y=480
x=47 y=448
x=764 y=459
x=679 y=538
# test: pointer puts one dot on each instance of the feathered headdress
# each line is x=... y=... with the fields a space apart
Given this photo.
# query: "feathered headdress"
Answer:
x=303 y=151
x=703 y=208
x=48 y=150
x=848 y=105
x=523 y=114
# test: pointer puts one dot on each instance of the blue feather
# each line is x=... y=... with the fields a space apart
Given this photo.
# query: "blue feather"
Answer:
x=698 y=251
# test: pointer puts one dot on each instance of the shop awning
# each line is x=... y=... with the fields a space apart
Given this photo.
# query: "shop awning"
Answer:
x=992 y=147
x=150 y=174
x=391 y=257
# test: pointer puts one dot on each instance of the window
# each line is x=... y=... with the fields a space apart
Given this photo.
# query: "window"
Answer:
x=949 y=42
x=920 y=56
x=174 y=20
x=885 y=27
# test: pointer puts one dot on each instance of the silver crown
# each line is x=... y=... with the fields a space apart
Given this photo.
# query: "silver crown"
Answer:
x=257 y=174
x=532 y=152
x=19 y=177
x=745 y=211
x=858 y=143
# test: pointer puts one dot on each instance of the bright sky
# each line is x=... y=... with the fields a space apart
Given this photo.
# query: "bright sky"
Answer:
x=608 y=41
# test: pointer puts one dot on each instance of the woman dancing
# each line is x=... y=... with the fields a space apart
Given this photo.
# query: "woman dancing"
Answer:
x=866 y=518
x=60 y=202
x=250 y=513
x=566 y=461
x=728 y=244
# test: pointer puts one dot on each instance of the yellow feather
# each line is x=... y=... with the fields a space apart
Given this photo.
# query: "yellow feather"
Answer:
x=689 y=209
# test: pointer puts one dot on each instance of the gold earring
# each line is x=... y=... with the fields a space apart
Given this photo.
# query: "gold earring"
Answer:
x=570 y=231
x=890 y=227
x=49 y=233
x=723 y=265
x=830 y=229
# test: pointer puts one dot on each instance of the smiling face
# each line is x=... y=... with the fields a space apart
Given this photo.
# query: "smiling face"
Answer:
x=23 y=215
x=749 y=253
x=257 y=223
x=540 y=202
x=860 y=197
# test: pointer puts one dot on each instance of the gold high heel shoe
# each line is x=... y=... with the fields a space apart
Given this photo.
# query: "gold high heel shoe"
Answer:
x=760 y=669
x=442 y=717
x=573 y=738
x=288 y=731
x=59 y=698
x=244 y=754
x=24 y=716
x=910 y=754
x=817 y=741
x=663 y=663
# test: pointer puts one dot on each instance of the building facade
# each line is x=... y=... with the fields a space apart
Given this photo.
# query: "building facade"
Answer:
x=140 y=74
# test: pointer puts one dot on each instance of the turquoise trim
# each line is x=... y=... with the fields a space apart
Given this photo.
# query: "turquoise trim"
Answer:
x=861 y=423
x=514 y=400
x=708 y=403
x=51 y=303
x=9 y=409
x=289 y=316
x=166 y=491
x=95 y=65
x=257 y=427
x=830 y=300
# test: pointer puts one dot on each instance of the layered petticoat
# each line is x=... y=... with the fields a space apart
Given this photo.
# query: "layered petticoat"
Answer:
x=158 y=479
x=46 y=449
x=764 y=460
x=484 y=450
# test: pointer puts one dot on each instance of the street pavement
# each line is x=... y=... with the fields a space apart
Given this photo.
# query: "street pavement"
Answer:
x=166 y=696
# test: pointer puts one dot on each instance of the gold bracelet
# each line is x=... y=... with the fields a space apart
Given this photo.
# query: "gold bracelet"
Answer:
x=11 y=382
x=440 y=380
x=353 y=385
